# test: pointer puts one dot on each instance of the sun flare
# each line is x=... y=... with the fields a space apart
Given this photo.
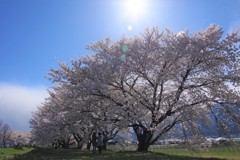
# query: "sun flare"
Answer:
x=135 y=8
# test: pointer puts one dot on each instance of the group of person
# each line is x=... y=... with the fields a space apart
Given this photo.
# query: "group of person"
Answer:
x=97 y=142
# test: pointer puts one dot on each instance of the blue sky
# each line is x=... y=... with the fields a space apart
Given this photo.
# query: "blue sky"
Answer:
x=37 y=34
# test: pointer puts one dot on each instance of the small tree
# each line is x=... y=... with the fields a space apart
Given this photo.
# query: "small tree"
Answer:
x=5 y=134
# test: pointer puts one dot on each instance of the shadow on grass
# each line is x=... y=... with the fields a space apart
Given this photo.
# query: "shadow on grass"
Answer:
x=74 y=154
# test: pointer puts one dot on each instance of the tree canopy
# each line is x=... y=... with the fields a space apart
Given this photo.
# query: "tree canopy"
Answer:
x=152 y=83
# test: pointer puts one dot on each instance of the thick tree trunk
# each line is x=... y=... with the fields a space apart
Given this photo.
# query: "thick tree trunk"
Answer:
x=143 y=147
x=144 y=138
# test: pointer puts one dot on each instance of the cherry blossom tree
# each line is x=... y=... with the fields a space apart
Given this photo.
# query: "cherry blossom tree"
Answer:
x=51 y=124
x=67 y=117
x=158 y=81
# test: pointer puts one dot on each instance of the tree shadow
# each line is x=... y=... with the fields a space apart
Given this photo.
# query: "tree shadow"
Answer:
x=152 y=156
x=75 y=154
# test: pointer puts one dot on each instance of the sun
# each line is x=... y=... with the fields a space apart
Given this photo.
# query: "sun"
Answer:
x=135 y=8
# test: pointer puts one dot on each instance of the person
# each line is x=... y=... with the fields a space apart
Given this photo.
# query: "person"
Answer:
x=94 y=141
x=99 y=142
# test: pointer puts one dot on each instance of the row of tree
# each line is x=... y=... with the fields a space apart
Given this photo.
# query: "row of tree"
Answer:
x=61 y=122
x=153 y=84
x=10 y=138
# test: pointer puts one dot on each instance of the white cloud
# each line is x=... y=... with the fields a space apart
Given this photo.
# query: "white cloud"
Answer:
x=17 y=102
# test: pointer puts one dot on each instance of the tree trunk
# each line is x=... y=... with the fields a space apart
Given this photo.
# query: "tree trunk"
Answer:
x=143 y=146
x=65 y=145
x=79 y=140
x=89 y=145
x=144 y=138
x=4 y=143
x=80 y=145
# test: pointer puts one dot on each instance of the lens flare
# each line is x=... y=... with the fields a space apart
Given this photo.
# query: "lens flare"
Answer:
x=125 y=48
x=123 y=57
x=130 y=28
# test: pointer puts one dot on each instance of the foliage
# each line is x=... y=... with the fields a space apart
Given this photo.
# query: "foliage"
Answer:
x=153 y=84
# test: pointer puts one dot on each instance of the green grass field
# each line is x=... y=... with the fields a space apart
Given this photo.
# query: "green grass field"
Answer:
x=221 y=153
x=11 y=152
x=228 y=153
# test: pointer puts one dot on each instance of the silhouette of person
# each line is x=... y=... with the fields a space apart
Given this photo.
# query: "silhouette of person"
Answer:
x=99 y=142
x=94 y=141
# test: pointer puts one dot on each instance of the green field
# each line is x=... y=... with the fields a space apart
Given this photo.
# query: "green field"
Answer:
x=160 y=153
x=232 y=153
x=11 y=152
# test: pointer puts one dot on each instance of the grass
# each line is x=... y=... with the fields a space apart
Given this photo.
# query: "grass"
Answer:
x=229 y=153
x=216 y=153
x=11 y=152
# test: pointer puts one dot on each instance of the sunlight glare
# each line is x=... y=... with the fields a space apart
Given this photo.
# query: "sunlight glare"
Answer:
x=135 y=8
